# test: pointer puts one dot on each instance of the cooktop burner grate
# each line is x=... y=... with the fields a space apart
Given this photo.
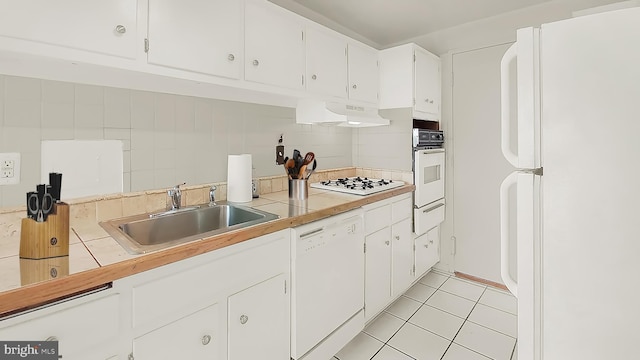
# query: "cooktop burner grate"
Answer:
x=358 y=185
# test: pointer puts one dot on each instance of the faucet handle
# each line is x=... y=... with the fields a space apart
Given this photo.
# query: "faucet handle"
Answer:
x=212 y=195
x=175 y=197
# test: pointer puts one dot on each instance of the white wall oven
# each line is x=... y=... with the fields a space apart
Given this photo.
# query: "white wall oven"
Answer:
x=428 y=173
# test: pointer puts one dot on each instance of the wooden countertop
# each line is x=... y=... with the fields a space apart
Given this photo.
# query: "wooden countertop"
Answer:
x=97 y=259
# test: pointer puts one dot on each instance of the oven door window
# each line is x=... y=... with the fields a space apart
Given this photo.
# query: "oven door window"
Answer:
x=431 y=174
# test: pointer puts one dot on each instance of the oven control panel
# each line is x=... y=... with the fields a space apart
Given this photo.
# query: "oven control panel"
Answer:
x=428 y=139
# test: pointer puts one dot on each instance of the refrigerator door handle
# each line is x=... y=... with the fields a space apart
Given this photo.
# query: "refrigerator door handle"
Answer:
x=505 y=261
x=505 y=101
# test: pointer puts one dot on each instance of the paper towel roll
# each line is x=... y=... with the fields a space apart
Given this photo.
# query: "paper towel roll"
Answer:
x=239 y=187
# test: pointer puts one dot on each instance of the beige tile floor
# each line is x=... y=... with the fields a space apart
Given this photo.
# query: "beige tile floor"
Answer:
x=441 y=318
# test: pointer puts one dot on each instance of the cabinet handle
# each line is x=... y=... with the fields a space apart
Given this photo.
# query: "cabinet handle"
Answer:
x=397 y=237
x=120 y=29
x=314 y=76
x=427 y=246
x=355 y=86
x=231 y=57
x=256 y=62
x=386 y=242
x=431 y=241
x=130 y=357
x=51 y=338
x=244 y=319
x=430 y=101
x=206 y=339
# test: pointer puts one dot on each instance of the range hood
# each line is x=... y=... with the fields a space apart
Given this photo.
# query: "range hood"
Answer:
x=312 y=111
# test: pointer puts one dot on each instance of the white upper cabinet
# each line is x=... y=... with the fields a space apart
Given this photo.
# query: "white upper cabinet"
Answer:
x=107 y=27
x=326 y=57
x=363 y=73
x=274 y=45
x=204 y=36
x=410 y=78
x=427 y=84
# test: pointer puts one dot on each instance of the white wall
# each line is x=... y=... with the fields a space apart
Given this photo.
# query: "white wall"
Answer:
x=385 y=147
x=167 y=138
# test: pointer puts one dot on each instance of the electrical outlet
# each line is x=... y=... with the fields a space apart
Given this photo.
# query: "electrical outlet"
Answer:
x=9 y=168
x=6 y=173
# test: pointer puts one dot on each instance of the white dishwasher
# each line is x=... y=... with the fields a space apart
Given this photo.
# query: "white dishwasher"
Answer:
x=327 y=285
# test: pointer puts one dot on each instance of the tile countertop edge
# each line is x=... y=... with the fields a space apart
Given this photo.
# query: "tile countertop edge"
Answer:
x=34 y=295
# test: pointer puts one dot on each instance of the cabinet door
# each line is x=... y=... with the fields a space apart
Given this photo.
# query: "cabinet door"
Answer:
x=191 y=337
x=402 y=256
x=326 y=64
x=427 y=84
x=274 y=46
x=196 y=35
x=258 y=322
x=377 y=288
x=107 y=27
x=363 y=73
x=427 y=251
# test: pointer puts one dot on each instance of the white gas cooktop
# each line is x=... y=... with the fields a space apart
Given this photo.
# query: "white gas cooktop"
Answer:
x=358 y=185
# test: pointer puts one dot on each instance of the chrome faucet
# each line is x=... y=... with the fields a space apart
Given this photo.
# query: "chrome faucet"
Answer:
x=175 y=197
x=212 y=195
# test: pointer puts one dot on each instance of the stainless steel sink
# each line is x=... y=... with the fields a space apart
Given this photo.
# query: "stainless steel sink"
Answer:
x=142 y=233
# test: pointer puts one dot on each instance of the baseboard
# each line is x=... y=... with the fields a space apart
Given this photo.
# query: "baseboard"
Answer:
x=480 y=280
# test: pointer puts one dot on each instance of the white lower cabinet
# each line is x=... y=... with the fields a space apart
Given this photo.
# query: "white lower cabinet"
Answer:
x=377 y=286
x=192 y=337
x=427 y=251
x=231 y=303
x=86 y=327
x=401 y=257
x=258 y=322
x=389 y=257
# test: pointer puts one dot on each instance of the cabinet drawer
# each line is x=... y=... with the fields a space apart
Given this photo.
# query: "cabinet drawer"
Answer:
x=428 y=217
x=192 y=337
x=376 y=219
x=81 y=326
x=401 y=210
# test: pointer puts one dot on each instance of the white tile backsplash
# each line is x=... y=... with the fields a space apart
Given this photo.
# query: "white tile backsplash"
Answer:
x=57 y=115
x=89 y=116
x=89 y=94
x=21 y=88
x=57 y=92
x=142 y=110
x=166 y=137
x=22 y=113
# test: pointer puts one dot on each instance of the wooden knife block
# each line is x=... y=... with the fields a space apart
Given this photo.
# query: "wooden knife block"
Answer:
x=48 y=239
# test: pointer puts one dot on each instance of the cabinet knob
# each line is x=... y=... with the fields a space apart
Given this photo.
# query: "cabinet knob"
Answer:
x=231 y=57
x=120 y=29
x=130 y=357
x=206 y=339
x=426 y=100
x=256 y=62
x=314 y=76
x=244 y=319
x=427 y=246
x=355 y=86
x=397 y=237
x=431 y=241
x=386 y=242
x=430 y=101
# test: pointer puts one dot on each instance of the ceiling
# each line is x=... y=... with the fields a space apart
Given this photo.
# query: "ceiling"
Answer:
x=382 y=23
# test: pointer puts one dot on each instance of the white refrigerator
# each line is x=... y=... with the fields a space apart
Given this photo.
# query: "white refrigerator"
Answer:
x=576 y=165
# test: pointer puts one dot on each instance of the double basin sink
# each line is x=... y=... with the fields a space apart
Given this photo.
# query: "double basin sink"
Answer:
x=140 y=234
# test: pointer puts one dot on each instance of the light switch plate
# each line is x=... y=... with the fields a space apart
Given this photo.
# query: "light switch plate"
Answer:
x=9 y=168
